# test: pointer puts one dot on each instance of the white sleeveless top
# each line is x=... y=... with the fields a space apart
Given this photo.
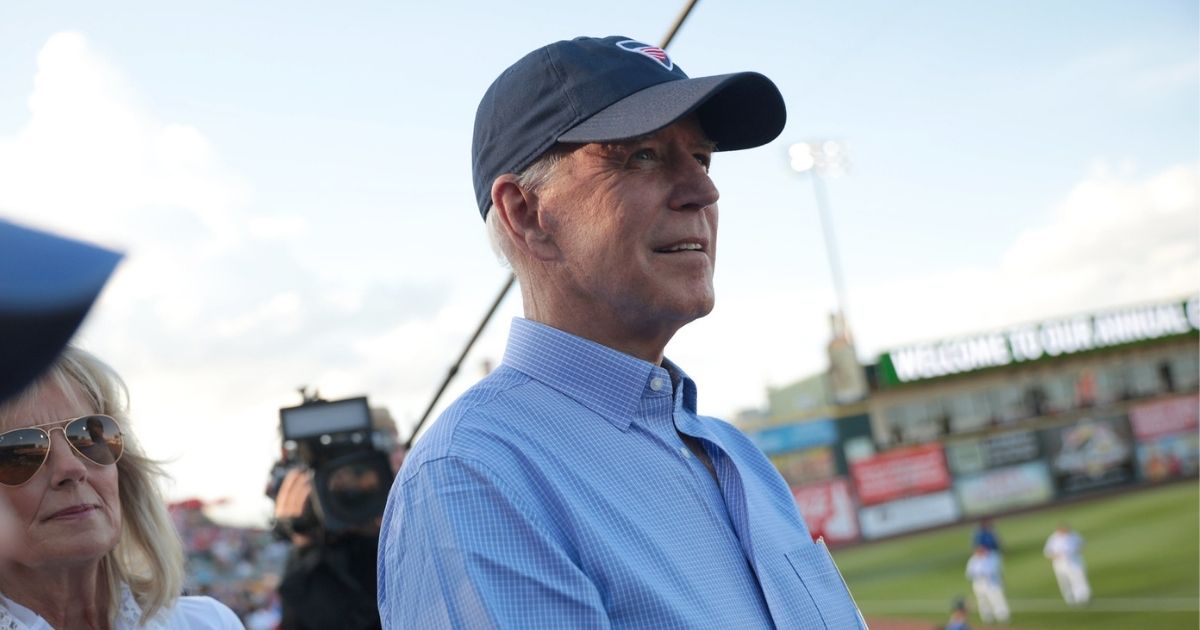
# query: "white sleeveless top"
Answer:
x=188 y=613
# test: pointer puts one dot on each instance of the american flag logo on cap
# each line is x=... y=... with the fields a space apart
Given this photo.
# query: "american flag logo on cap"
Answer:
x=653 y=52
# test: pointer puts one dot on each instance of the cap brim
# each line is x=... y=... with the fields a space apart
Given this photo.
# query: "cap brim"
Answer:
x=737 y=111
x=47 y=285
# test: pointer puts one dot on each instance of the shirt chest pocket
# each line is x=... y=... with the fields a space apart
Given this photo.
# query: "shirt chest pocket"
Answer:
x=824 y=584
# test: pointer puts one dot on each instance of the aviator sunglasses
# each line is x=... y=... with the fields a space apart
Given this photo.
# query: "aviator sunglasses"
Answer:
x=23 y=451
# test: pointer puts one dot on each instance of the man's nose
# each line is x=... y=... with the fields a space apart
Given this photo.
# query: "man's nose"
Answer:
x=694 y=189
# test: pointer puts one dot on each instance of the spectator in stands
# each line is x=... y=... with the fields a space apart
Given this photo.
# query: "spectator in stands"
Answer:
x=96 y=546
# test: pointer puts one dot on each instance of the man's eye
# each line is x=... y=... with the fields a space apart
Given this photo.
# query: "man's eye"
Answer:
x=705 y=160
x=643 y=154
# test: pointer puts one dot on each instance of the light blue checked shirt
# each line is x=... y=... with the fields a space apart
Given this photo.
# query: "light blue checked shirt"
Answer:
x=557 y=493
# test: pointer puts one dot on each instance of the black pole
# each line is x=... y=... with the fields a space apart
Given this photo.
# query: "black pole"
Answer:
x=512 y=278
x=678 y=23
x=462 y=357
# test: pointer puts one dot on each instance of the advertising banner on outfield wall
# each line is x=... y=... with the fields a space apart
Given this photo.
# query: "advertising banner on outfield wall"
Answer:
x=1090 y=454
x=1168 y=443
x=1005 y=488
x=906 y=515
x=993 y=451
x=900 y=473
x=1169 y=457
x=794 y=437
x=1170 y=416
x=803 y=467
x=829 y=510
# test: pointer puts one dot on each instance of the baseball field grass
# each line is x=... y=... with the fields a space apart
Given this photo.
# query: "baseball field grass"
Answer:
x=1142 y=554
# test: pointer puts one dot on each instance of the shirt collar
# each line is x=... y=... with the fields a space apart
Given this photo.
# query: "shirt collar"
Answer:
x=682 y=384
x=606 y=381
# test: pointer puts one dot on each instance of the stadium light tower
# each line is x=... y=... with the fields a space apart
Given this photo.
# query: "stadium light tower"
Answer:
x=822 y=159
x=848 y=382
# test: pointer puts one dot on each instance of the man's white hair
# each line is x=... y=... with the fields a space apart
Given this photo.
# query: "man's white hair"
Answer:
x=532 y=179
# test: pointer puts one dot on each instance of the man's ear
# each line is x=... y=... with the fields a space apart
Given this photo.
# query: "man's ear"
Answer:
x=519 y=212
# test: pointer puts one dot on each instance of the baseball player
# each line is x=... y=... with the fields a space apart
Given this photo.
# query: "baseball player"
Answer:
x=1064 y=548
x=983 y=570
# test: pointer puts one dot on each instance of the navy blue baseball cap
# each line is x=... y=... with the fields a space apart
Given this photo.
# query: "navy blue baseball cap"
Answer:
x=47 y=285
x=591 y=89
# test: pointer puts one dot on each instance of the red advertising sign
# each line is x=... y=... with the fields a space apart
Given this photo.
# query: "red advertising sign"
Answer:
x=1165 y=417
x=828 y=509
x=900 y=473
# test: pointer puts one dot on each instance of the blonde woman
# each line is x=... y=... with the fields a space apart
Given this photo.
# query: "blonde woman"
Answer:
x=95 y=547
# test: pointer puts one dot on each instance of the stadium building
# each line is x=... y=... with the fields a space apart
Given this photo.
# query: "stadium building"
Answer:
x=984 y=424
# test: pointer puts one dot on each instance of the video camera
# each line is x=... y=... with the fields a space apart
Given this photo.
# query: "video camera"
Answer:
x=348 y=457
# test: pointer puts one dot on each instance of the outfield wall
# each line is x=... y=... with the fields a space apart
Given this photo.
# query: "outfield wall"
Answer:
x=977 y=444
x=923 y=486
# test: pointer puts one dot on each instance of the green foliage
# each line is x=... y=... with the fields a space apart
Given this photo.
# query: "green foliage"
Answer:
x=1142 y=554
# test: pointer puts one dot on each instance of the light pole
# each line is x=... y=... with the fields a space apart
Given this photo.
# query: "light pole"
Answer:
x=848 y=382
x=818 y=159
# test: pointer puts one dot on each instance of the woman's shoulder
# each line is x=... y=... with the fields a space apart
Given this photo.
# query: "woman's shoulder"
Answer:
x=202 y=613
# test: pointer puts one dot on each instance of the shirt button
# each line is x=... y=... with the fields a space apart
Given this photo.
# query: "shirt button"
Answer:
x=683 y=450
x=656 y=383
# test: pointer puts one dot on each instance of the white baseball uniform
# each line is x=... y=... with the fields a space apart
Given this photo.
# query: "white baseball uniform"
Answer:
x=1065 y=551
x=983 y=569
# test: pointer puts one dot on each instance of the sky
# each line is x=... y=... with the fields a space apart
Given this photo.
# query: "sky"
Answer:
x=291 y=185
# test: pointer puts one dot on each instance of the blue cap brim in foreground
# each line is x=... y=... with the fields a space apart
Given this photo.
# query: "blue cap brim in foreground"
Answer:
x=607 y=89
x=47 y=285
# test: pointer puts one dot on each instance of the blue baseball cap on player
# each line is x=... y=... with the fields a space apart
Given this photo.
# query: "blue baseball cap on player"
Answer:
x=47 y=285
x=591 y=89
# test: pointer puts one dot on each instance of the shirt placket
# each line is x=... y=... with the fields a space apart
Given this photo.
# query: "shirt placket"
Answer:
x=728 y=486
x=728 y=491
x=659 y=415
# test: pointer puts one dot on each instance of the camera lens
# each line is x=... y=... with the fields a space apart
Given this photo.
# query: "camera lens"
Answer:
x=354 y=488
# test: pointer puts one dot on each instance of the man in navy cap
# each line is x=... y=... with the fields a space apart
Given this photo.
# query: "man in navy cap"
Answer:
x=576 y=486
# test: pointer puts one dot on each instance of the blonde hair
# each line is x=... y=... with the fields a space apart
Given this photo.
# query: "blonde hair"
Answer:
x=149 y=555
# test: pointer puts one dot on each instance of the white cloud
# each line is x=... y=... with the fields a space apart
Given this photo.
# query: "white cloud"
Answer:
x=1115 y=239
x=211 y=319
x=90 y=158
